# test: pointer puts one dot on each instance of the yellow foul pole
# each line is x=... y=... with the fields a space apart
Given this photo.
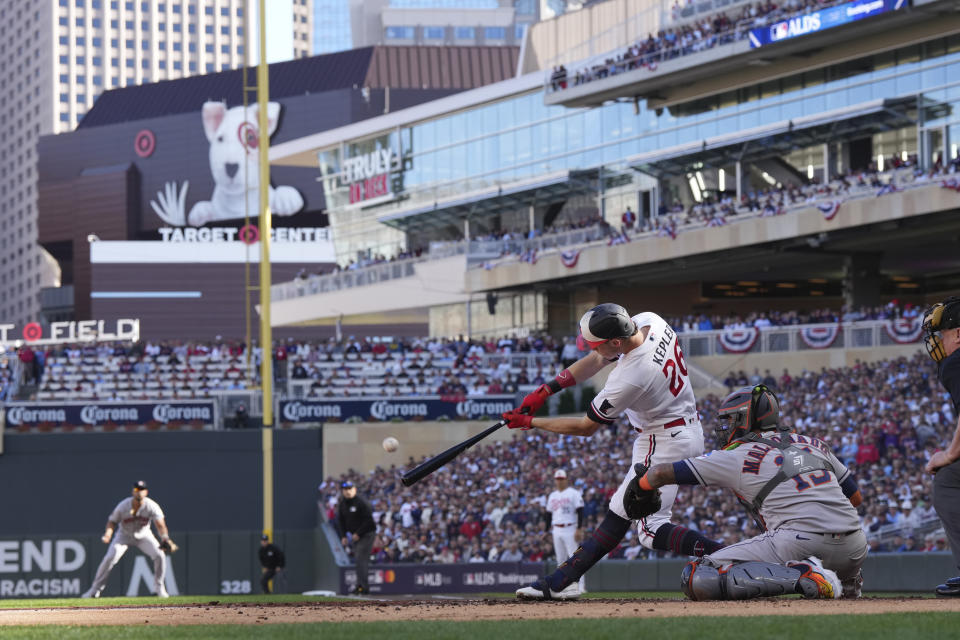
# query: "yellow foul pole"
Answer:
x=266 y=334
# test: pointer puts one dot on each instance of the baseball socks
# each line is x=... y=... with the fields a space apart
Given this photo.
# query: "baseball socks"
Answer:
x=601 y=542
x=684 y=541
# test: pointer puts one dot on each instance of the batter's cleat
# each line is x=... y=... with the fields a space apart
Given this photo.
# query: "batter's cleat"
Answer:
x=815 y=581
x=950 y=589
x=162 y=593
x=90 y=594
x=852 y=587
x=539 y=590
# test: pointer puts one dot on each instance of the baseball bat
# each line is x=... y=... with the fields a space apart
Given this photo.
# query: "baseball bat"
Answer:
x=424 y=469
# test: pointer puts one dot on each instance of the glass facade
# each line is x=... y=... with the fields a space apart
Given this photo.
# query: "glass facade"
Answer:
x=331 y=26
x=519 y=138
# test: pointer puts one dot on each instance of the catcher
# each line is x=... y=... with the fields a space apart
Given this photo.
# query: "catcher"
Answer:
x=131 y=521
x=799 y=493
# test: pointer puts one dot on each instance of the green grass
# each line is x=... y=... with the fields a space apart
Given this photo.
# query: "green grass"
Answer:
x=46 y=603
x=927 y=626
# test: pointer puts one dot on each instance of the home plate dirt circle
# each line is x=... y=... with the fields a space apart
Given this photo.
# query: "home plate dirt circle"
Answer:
x=457 y=610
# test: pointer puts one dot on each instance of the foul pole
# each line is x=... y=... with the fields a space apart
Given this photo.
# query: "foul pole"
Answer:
x=266 y=333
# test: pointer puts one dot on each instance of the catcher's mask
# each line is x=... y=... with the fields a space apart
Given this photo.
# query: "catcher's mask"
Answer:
x=746 y=409
x=943 y=315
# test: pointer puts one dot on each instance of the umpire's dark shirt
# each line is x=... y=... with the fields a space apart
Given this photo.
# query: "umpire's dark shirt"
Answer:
x=949 y=374
x=354 y=516
x=271 y=557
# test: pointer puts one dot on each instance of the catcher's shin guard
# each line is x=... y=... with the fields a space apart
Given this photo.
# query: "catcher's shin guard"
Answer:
x=701 y=580
x=602 y=541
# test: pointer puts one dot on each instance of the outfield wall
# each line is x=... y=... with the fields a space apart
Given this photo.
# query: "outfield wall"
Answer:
x=203 y=480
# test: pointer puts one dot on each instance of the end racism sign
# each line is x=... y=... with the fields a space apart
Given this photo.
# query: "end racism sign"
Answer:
x=126 y=329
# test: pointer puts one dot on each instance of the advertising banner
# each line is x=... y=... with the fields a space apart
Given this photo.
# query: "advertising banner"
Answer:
x=821 y=20
x=383 y=409
x=33 y=414
x=468 y=577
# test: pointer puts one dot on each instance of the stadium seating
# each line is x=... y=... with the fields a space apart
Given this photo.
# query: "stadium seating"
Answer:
x=125 y=372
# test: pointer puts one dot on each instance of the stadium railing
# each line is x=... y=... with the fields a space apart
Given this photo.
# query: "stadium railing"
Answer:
x=860 y=334
x=362 y=276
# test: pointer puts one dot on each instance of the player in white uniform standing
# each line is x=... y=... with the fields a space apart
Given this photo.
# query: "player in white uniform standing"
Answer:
x=795 y=488
x=650 y=385
x=565 y=518
x=131 y=520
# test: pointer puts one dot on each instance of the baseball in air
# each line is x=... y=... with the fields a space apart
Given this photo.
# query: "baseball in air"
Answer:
x=390 y=444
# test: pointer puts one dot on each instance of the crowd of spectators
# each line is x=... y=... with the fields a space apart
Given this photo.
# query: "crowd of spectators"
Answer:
x=883 y=420
x=684 y=39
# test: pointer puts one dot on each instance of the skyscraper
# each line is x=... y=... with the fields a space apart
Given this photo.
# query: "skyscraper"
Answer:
x=331 y=26
x=343 y=24
x=56 y=57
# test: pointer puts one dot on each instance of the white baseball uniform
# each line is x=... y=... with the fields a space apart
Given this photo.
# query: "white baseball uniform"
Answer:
x=807 y=515
x=651 y=386
x=563 y=506
x=132 y=528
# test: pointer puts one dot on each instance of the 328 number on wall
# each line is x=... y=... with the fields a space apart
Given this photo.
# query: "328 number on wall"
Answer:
x=235 y=586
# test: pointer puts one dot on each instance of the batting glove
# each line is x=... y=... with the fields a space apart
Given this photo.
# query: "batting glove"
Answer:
x=517 y=420
x=537 y=398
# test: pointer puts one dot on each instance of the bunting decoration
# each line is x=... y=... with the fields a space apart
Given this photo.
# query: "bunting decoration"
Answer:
x=738 y=340
x=820 y=337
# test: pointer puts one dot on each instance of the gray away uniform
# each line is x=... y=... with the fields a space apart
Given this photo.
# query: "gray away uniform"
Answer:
x=132 y=529
x=807 y=515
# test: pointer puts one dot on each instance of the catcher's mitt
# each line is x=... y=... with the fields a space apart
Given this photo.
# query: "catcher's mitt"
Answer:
x=640 y=503
x=169 y=546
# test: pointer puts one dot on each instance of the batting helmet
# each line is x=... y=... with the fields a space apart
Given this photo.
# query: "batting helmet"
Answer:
x=606 y=322
x=747 y=409
x=943 y=315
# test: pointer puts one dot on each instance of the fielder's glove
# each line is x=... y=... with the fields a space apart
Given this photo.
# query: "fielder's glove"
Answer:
x=169 y=546
x=640 y=503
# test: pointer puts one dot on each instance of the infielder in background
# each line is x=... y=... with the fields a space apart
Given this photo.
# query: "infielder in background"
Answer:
x=799 y=493
x=942 y=326
x=650 y=385
x=565 y=518
x=131 y=520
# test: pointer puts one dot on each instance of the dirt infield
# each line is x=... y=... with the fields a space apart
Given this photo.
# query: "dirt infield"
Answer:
x=491 y=609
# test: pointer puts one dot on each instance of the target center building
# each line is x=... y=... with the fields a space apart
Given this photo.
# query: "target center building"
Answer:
x=150 y=205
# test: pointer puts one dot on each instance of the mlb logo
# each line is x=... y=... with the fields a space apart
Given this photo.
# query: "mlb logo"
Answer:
x=778 y=31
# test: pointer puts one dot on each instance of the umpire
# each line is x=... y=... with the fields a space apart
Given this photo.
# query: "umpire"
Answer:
x=355 y=521
x=942 y=326
x=272 y=561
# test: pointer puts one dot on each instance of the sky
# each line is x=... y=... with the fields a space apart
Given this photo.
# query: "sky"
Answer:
x=279 y=30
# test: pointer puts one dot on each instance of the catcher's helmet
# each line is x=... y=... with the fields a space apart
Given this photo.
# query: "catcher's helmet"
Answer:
x=943 y=315
x=605 y=322
x=747 y=409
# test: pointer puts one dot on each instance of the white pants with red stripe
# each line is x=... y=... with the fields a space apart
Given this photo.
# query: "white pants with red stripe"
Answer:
x=659 y=447
x=564 y=545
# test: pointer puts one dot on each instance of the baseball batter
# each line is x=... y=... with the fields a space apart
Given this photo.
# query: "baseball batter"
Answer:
x=797 y=490
x=564 y=518
x=131 y=521
x=649 y=383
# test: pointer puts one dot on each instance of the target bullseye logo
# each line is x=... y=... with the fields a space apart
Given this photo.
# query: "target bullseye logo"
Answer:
x=32 y=331
x=145 y=143
x=249 y=234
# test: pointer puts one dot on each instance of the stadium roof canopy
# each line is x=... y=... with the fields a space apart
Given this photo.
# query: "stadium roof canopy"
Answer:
x=555 y=187
x=780 y=138
x=396 y=67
